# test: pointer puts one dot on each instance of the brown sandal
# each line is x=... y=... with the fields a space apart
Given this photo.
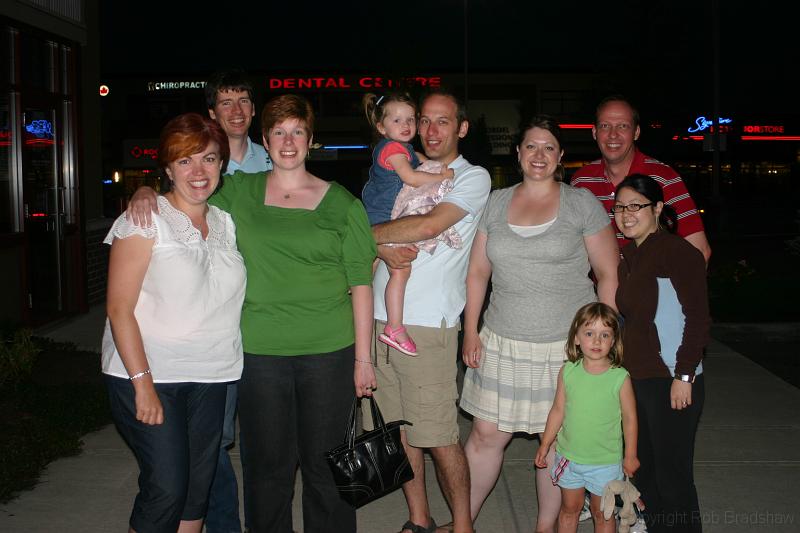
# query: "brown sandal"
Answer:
x=416 y=528
x=449 y=528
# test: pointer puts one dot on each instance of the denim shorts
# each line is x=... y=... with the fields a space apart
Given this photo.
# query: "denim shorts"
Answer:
x=591 y=477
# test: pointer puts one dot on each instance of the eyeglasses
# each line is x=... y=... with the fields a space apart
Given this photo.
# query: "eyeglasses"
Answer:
x=619 y=208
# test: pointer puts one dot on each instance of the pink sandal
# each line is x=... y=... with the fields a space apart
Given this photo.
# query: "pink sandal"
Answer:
x=389 y=336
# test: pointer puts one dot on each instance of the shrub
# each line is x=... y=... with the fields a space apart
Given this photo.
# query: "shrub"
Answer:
x=17 y=356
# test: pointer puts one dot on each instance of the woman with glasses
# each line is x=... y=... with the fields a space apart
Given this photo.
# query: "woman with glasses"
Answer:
x=662 y=295
x=536 y=242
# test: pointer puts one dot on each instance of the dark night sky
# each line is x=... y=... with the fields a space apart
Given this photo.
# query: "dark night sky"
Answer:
x=663 y=48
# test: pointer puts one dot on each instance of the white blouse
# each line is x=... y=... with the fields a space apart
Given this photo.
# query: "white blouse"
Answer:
x=191 y=299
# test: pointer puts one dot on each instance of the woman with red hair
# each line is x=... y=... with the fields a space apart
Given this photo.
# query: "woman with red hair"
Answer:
x=172 y=340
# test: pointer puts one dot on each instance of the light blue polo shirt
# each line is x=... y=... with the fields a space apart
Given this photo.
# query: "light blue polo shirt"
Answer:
x=256 y=159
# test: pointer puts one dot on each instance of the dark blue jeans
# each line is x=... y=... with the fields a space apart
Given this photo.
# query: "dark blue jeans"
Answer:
x=223 y=501
x=177 y=459
x=292 y=409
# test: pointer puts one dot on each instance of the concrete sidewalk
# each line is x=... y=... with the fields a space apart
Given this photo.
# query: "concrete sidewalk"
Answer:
x=747 y=464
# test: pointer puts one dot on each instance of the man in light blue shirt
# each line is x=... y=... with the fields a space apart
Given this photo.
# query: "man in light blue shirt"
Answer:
x=229 y=96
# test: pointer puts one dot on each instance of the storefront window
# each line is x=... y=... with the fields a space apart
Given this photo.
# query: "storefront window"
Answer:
x=6 y=35
x=6 y=185
x=38 y=62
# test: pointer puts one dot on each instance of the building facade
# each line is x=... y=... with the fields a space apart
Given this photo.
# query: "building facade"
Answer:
x=49 y=149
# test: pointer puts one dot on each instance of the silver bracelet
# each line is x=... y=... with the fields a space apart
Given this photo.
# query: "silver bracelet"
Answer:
x=140 y=374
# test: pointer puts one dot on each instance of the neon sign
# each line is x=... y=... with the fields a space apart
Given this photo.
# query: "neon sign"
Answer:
x=172 y=85
x=766 y=128
x=40 y=128
x=352 y=82
x=702 y=123
x=137 y=152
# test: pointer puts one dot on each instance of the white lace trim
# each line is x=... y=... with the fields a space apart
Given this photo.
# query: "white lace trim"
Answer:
x=181 y=225
x=123 y=228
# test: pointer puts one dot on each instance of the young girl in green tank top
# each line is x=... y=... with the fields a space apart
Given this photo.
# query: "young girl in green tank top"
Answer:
x=594 y=407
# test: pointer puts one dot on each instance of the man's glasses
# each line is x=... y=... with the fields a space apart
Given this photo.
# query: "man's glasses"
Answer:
x=619 y=208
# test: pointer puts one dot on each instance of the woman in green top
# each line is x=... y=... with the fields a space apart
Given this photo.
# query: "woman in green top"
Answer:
x=306 y=323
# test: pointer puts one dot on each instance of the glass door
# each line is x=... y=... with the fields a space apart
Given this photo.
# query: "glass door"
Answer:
x=43 y=198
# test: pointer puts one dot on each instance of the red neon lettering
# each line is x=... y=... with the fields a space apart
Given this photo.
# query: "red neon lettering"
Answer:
x=763 y=129
x=365 y=82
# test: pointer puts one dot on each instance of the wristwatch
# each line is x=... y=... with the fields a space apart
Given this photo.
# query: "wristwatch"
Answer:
x=686 y=378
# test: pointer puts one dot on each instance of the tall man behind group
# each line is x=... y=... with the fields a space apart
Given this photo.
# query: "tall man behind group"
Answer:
x=229 y=97
x=423 y=389
x=616 y=130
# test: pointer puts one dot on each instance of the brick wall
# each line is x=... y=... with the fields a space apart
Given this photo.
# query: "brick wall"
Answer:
x=97 y=259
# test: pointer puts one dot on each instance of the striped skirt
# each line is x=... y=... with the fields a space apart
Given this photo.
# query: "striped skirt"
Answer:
x=515 y=384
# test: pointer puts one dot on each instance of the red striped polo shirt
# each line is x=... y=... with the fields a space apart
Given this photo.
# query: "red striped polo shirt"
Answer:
x=593 y=177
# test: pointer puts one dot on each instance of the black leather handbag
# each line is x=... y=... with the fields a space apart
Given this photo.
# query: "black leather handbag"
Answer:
x=370 y=465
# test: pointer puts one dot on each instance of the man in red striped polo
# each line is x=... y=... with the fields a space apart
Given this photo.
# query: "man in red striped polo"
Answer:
x=616 y=130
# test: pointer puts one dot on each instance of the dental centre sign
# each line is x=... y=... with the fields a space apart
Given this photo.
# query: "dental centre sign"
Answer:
x=351 y=82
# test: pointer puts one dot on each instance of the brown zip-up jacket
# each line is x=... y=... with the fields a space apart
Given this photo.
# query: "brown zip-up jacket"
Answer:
x=651 y=276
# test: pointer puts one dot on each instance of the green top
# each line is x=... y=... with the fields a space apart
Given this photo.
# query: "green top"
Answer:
x=300 y=266
x=591 y=433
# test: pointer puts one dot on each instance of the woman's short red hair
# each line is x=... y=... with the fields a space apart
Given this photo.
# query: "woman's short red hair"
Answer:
x=189 y=134
x=285 y=107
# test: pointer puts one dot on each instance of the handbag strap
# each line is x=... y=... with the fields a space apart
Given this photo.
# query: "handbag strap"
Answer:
x=377 y=417
x=350 y=429
x=377 y=420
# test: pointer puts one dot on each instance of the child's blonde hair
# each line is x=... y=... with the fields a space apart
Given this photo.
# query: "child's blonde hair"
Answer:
x=375 y=107
x=586 y=315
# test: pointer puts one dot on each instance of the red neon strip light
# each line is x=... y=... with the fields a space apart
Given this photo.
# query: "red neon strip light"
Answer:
x=696 y=137
x=770 y=138
x=576 y=126
x=33 y=142
x=38 y=215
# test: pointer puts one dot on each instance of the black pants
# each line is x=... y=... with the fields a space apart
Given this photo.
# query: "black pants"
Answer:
x=666 y=453
x=293 y=409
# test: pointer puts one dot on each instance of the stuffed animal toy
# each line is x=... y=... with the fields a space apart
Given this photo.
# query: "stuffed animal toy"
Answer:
x=629 y=495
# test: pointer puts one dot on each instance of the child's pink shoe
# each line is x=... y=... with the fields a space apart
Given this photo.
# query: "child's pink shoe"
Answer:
x=389 y=336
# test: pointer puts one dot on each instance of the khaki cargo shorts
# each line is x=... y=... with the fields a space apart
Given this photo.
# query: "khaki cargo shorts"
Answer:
x=421 y=389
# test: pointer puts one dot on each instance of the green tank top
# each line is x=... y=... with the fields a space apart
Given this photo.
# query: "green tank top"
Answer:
x=591 y=432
